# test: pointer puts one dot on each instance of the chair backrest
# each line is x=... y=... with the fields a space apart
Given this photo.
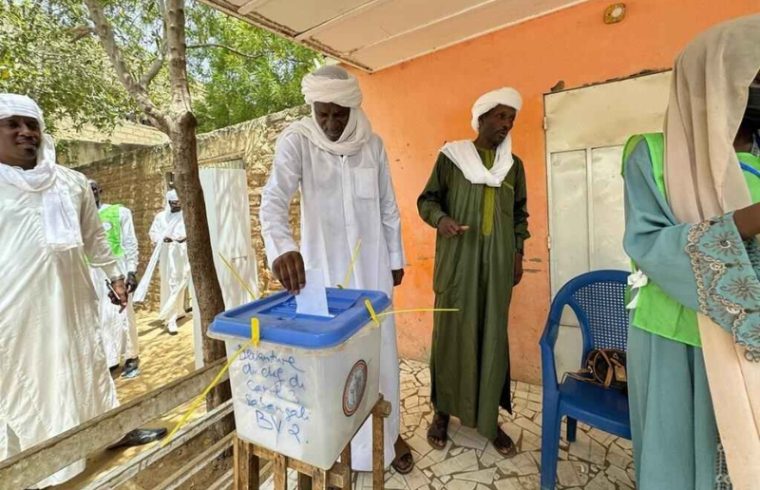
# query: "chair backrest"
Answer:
x=598 y=300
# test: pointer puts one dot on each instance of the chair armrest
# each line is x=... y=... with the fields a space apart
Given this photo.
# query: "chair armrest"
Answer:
x=548 y=364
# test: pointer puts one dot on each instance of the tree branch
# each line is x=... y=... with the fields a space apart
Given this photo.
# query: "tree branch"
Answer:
x=81 y=32
x=158 y=63
x=228 y=48
x=136 y=90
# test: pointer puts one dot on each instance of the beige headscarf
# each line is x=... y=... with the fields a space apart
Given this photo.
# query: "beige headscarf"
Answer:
x=708 y=97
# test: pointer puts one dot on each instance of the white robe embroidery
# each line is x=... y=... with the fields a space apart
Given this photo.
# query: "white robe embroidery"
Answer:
x=50 y=337
x=120 y=338
x=344 y=199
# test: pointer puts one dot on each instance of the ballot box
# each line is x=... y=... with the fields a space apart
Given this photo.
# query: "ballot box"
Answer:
x=307 y=387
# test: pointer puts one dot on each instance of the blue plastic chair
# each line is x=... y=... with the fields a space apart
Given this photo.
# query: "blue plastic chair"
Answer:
x=598 y=300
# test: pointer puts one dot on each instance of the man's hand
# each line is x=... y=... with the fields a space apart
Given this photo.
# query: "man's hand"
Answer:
x=167 y=240
x=398 y=276
x=131 y=282
x=449 y=228
x=118 y=294
x=518 y=269
x=288 y=268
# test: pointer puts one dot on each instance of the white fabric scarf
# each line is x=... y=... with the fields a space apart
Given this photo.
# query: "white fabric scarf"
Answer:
x=465 y=155
x=345 y=93
x=60 y=219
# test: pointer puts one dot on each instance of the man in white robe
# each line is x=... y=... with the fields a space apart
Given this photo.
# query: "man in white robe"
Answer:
x=119 y=327
x=347 y=197
x=168 y=233
x=53 y=372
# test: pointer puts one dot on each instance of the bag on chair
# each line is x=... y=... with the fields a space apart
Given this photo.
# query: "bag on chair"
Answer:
x=604 y=367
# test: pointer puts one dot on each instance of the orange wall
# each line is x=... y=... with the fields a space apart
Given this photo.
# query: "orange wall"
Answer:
x=420 y=104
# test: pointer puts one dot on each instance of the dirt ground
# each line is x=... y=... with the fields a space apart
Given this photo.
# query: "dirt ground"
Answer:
x=163 y=358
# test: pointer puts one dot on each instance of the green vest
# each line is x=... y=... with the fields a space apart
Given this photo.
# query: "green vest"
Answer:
x=111 y=219
x=655 y=311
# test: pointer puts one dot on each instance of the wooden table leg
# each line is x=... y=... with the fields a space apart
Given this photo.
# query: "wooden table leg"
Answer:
x=345 y=458
x=378 y=456
x=319 y=480
x=304 y=482
x=280 y=470
x=246 y=466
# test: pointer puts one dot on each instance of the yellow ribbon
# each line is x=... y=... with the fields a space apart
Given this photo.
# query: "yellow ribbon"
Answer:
x=350 y=271
x=419 y=310
x=235 y=274
x=371 y=310
x=376 y=316
x=254 y=342
x=255 y=332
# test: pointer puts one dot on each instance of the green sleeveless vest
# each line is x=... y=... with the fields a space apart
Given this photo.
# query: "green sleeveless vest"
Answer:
x=110 y=217
x=655 y=311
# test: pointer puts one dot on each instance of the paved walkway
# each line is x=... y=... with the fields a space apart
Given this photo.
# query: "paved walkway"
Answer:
x=596 y=461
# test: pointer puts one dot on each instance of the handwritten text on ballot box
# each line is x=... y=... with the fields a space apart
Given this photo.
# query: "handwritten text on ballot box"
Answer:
x=311 y=382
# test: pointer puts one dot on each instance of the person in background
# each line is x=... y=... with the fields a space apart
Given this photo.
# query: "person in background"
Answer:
x=119 y=327
x=168 y=232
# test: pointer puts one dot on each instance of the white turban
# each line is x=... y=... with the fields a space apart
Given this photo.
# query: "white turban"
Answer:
x=333 y=84
x=464 y=154
x=172 y=196
x=20 y=105
x=60 y=219
x=504 y=96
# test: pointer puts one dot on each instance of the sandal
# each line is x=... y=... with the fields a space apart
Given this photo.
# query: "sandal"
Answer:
x=438 y=432
x=404 y=461
x=504 y=444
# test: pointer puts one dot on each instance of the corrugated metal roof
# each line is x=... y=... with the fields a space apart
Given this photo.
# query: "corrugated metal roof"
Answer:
x=376 y=34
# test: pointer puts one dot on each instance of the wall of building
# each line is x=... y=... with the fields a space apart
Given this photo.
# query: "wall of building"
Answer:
x=137 y=179
x=419 y=105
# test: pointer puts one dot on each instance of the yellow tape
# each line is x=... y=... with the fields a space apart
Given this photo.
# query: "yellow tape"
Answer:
x=254 y=342
x=255 y=332
x=371 y=310
x=418 y=310
x=350 y=271
x=254 y=296
x=197 y=402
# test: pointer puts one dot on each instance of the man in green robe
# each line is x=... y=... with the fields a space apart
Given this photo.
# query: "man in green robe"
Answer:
x=476 y=199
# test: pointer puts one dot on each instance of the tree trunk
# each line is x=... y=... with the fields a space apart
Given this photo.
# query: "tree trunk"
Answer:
x=180 y=125
x=182 y=133
x=205 y=282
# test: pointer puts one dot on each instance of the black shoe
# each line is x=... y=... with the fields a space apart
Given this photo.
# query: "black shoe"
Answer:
x=131 y=368
x=113 y=369
x=139 y=437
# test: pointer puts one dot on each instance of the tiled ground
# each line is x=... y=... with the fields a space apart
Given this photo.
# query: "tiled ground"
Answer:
x=596 y=461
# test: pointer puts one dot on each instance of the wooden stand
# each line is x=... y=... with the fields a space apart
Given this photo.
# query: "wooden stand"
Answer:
x=247 y=462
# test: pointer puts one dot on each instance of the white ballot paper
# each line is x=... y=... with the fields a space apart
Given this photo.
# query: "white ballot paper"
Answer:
x=312 y=300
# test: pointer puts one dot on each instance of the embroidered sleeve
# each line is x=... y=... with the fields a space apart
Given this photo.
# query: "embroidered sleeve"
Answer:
x=728 y=288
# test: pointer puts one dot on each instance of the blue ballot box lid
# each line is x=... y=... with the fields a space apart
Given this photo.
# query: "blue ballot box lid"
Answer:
x=279 y=322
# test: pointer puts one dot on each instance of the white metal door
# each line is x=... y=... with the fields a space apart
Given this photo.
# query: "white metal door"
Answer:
x=586 y=129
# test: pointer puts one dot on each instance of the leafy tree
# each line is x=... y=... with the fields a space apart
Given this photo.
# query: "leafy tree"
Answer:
x=236 y=71
x=40 y=58
x=244 y=72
